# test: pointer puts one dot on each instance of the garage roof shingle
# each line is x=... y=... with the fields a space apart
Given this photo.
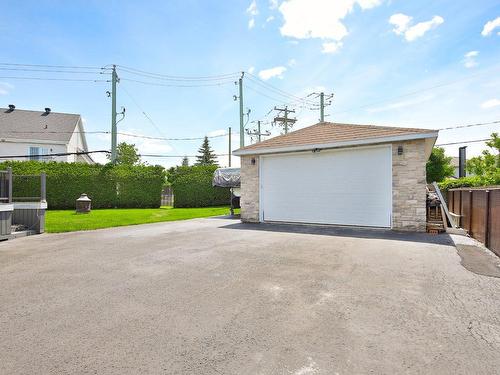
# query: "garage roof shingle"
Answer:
x=331 y=133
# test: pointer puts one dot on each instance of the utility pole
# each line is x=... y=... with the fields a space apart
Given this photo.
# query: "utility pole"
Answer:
x=324 y=101
x=284 y=120
x=229 y=146
x=257 y=133
x=240 y=97
x=114 y=79
x=322 y=107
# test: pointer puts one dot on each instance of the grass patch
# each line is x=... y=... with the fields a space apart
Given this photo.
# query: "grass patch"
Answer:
x=57 y=221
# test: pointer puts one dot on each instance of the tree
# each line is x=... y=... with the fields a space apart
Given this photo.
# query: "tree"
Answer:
x=488 y=163
x=206 y=155
x=126 y=154
x=185 y=161
x=438 y=166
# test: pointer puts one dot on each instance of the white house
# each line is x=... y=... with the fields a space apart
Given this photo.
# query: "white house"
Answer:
x=28 y=135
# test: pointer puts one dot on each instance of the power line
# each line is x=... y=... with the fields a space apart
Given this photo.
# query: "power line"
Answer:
x=258 y=81
x=52 y=71
x=470 y=125
x=458 y=143
x=142 y=110
x=178 y=78
x=55 y=154
x=52 y=66
x=121 y=133
x=177 y=85
x=410 y=93
x=55 y=79
x=215 y=76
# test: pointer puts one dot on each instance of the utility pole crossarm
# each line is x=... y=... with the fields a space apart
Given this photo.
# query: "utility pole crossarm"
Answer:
x=284 y=120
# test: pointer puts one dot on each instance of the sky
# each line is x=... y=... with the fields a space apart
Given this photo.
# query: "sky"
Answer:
x=429 y=64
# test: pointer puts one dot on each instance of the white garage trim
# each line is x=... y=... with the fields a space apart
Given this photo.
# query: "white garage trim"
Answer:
x=378 y=217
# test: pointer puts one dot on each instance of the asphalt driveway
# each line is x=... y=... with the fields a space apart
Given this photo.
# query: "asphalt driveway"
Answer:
x=213 y=296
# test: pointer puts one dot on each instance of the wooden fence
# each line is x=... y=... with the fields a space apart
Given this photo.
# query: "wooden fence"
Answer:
x=479 y=210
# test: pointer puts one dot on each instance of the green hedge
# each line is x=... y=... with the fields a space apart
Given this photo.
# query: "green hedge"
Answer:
x=193 y=187
x=470 y=181
x=108 y=186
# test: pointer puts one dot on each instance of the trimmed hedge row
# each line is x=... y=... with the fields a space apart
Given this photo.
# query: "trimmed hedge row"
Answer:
x=193 y=187
x=108 y=186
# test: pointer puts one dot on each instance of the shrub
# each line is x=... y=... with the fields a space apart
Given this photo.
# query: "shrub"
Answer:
x=470 y=181
x=108 y=186
x=193 y=187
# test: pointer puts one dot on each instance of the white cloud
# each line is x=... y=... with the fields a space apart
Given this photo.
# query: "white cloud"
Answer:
x=490 y=26
x=273 y=4
x=292 y=62
x=470 y=59
x=272 y=72
x=331 y=47
x=252 y=8
x=402 y=22
x=5 y=88
x=322 y=19
x=251 y=69
x=402 y=104
x=490 y=103
x=269 y=19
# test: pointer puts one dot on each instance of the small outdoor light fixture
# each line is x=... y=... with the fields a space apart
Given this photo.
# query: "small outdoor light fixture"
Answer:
x=252 y=161
x=83 y=204
x=400 y=150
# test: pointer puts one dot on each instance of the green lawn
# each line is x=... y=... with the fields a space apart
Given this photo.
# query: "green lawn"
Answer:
x=69 y=221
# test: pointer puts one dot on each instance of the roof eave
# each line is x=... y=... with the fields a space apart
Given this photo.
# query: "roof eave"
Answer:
x=356 y=142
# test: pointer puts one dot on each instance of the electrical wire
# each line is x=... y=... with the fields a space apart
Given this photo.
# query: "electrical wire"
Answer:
x=444 y=84
x=143 y=73
x=55 y=79
x=56 y=154
x=52 y=66
x=258 y=81
x=458 y=143
x=470 y=125
x=124 y=134
x=52 y=71
x=177 y=85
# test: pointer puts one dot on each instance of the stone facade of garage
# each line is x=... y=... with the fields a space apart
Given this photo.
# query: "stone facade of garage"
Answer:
x=408 y=186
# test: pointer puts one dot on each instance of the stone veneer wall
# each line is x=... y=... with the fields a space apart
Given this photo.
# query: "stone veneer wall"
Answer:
x=408 y=187
x=249 y=201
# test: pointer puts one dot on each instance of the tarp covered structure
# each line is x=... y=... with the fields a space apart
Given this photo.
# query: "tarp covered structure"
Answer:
x=227 y=177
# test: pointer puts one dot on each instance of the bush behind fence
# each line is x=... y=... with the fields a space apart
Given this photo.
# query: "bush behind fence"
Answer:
x=108 y=186
x=192 y=187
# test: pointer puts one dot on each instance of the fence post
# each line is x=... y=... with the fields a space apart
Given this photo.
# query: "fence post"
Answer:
x=470 y=213
x=460 y=207
x=43 y=186
x=9 y=176
x=487 y=220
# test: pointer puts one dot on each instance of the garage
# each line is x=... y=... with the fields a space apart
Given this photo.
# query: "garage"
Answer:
x=339 y=174
x=306 y=187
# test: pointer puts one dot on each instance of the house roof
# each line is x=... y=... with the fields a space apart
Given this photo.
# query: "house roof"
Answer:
x=331 y=135
x=37 y=125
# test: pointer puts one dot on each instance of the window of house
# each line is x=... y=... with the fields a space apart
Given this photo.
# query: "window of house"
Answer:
x=36 y=152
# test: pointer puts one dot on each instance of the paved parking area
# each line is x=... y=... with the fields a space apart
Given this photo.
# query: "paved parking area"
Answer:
x=213 y=296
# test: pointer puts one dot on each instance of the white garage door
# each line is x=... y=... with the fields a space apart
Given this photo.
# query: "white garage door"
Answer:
x=346 y=187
